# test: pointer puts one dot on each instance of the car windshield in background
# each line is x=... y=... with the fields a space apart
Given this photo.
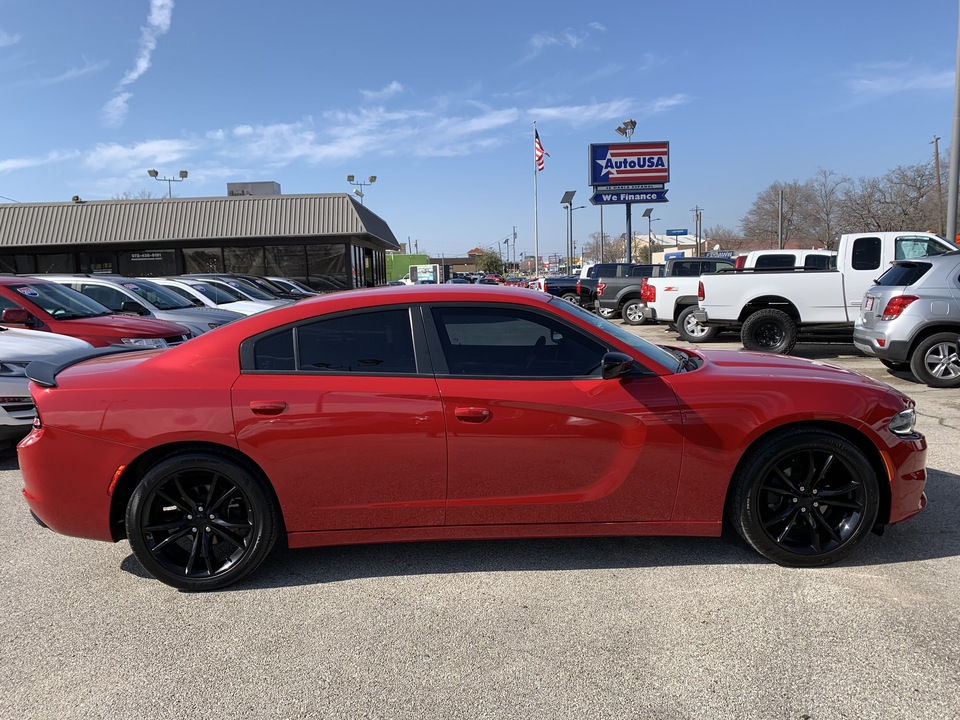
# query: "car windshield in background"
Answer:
x=655 y=353
x=61 y=302
x=909 y=247
x=156 y=295
x=218 y=294
x=249 y=288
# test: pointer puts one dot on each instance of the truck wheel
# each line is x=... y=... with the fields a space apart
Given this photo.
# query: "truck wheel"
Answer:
x=571 y=297
x=690 y=330
x=632 y=312
x=607 y=313
x=935 y=361
x=769 y=330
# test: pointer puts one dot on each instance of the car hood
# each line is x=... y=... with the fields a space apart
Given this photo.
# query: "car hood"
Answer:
x=202 y=315
x=782 y=368
x=20 y=345
x=125 y=325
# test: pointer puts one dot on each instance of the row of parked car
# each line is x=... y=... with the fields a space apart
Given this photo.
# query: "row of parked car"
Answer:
x=57 y=316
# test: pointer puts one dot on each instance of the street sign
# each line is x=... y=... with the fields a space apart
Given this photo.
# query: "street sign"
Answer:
x=678 y=231
x=629 y=196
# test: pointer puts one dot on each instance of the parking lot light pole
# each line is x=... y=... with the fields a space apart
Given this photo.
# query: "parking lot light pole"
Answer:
x=169 y=181
x=360 y=185
x=647 y=214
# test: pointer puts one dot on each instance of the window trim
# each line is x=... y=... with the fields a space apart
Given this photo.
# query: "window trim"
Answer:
x=435 y=346
x=421 y=355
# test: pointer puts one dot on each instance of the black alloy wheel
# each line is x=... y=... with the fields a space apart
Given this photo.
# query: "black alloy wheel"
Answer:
x=769 y=330
x=201 y=521
x=805 y=498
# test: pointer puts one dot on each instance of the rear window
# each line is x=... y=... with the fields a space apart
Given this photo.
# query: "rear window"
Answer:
x=903 y=274
x=788 y=260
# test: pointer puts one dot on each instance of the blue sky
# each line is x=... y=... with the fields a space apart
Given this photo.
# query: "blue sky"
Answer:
x=438 y=100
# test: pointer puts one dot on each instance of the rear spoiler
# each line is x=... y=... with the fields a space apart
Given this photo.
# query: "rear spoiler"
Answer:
x=45 y=373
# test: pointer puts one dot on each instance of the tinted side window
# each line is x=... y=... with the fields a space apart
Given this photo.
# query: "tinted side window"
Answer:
x=686 y=269
x=497 y=342
x=820 y=262
x=866 y=253
x=104 y=295
x=376 y=342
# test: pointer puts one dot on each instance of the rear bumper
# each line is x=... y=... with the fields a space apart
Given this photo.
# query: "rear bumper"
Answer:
x=869 y=343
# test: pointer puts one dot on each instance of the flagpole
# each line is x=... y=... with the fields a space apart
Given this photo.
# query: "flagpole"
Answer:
x=536 y=213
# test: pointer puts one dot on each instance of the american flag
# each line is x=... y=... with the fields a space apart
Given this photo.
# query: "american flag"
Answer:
x=538 y=151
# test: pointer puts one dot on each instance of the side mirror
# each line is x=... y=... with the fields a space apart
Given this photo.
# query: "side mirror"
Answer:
x=614 y=365
x=131 y=306
x=17 y=316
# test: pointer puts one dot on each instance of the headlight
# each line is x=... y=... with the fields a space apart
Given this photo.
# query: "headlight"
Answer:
x=903 y=422
x=146 y=342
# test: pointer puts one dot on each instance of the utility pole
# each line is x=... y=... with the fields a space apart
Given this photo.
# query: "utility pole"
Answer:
x=936 y=165
x=696 y=210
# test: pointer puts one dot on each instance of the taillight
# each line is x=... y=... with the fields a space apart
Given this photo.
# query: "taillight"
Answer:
x=700 y=295
x=578 y=287
x=600 y=287
x=648 y=293
x=896 y=306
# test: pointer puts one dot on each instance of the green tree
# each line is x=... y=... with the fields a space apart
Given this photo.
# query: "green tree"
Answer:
x=490 y=262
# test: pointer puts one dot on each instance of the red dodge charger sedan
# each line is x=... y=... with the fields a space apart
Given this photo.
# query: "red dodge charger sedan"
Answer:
x=374 y=415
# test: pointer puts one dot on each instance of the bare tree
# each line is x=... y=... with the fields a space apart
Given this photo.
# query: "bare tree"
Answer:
x=763 y=220
x=726 y=238
x=139 y=195
x=826 y=191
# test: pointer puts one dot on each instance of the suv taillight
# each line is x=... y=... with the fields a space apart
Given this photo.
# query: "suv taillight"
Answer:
x=896 y=306
x=578 y=287
x=600 y=287
x=700 y=295
x=648 y=293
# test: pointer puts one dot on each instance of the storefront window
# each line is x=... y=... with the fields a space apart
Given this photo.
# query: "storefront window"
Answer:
x=97 y=262
x=202 y=260
x=148 y=262
x=289 y=261
x=246 y=260
x=58 y=263
x=327 y=267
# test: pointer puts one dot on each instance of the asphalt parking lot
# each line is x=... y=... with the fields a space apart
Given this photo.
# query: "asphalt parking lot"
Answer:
x=585 y=628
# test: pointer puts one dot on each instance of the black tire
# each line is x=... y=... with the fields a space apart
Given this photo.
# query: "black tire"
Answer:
x=769 y=330
x=935 y=361
x=804 y=498
x=571 y=297
x=898 y=366
x=690 y=330
x=632 y=312
x=201 y=521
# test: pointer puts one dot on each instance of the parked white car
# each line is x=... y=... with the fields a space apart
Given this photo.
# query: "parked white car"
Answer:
x=199 y=291
x=18 y=348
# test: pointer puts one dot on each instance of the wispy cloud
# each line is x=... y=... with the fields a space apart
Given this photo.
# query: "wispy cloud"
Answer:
x=568 y=38
x=88 y=68
x=115 y=157
x=884 y=79
x=114 y=112
x=6 y=40
x=389 y=91
x=53 y=156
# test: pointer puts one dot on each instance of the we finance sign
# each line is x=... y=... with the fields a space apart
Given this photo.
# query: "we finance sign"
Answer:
x=629 y=163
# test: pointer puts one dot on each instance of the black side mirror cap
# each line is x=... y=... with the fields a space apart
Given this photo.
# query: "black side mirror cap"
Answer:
x=615 y=364
x=131 y=306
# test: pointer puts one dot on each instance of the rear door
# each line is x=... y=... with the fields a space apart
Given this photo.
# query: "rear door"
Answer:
x=344 y=416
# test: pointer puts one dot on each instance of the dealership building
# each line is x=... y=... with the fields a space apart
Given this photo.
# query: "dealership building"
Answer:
x=329 y=241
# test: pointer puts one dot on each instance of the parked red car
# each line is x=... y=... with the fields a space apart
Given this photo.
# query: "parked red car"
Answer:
x=45 y=305
x=360 y=417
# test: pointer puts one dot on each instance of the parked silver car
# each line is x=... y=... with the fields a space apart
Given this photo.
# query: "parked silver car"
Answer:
x=146 y=298
x=910 y=319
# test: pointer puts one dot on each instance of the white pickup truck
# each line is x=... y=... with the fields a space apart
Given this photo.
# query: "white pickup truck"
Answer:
x=772 y=306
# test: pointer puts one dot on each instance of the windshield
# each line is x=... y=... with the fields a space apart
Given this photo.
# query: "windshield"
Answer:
x=653 y=352
x=156 y=295
x=61 y=302
x=219 y=294
x=247 y=289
